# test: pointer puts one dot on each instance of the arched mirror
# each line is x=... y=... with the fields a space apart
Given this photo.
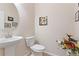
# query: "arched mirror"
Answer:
x=9 y=18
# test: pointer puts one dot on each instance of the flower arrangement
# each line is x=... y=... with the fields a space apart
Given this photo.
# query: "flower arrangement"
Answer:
x=69 y=44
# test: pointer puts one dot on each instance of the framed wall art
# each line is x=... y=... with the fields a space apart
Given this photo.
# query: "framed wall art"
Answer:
x=77 y=16
x=10 y=18
x=14 y=24
x=43 y=21
x=7 y=25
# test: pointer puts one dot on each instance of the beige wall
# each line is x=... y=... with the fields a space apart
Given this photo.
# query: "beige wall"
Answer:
x=60 y=22
x=26 y=25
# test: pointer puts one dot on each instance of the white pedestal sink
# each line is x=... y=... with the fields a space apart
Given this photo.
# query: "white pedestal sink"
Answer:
x=9 y=44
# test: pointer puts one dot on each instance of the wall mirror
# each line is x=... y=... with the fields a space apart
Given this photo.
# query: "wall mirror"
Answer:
x=9 y=17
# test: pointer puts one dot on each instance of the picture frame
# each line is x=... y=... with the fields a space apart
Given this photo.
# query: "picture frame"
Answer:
x=14 y=24
x=43 y=21
x=10 y=18
x=7 y=25
x=77 y=16
x=78 y=4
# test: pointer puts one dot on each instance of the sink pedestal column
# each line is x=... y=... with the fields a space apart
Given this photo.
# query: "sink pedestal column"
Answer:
x=1 y=51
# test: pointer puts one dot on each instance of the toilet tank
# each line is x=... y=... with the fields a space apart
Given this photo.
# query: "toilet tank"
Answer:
x=30 y=41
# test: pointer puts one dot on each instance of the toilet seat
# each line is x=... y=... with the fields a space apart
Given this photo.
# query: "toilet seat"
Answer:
x=37 y=48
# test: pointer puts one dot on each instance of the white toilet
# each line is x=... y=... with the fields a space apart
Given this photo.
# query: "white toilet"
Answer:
x=37 y=49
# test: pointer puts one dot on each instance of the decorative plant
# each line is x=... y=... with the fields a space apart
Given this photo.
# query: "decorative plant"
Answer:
x=69 y=44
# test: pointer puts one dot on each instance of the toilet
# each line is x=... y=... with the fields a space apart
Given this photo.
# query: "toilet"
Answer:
x=37 y=49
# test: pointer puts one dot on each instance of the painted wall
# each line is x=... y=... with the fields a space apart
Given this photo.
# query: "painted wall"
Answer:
x=60 y=22
x=26 y=26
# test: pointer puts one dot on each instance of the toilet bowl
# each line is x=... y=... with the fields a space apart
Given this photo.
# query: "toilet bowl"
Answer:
x=35 y=47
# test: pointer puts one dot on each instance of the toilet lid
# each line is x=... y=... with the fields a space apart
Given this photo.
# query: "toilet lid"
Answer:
x=38 y=48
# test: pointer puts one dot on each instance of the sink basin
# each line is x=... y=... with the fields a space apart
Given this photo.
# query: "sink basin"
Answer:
x=5 y=42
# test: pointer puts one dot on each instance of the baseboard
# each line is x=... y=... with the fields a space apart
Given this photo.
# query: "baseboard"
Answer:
x=46 y=54
x=50 y=54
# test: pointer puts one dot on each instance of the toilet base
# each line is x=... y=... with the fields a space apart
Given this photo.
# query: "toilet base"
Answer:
x=37 y=53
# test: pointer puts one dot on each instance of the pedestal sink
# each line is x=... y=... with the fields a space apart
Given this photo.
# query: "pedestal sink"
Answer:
x=9 y=44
